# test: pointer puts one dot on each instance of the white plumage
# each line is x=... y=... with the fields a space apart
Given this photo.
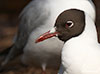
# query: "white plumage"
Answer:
x=38 y=17
x=54 y=8
x=81 y=54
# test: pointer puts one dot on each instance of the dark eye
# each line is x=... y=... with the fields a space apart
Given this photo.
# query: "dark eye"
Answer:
x=69 y=24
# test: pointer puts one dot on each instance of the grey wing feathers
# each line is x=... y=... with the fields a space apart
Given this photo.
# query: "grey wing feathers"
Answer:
x=31 y=17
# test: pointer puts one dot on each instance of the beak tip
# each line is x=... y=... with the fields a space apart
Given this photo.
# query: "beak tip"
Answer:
x=37 y=41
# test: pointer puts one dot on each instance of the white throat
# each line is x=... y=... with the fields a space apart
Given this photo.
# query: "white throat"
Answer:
x=79 y=53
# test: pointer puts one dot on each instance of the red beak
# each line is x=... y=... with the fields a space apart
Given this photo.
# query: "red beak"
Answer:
x=46 y=36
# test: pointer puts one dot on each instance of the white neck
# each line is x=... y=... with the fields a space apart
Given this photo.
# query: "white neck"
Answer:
x=83 y=50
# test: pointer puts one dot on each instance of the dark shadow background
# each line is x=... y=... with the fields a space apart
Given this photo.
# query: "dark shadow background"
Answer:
x=9 y=12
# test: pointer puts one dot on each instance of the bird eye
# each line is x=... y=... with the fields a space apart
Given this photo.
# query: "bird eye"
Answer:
x=69 y=24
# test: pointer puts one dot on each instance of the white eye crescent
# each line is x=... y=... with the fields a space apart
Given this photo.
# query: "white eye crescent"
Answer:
x=70 y=23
